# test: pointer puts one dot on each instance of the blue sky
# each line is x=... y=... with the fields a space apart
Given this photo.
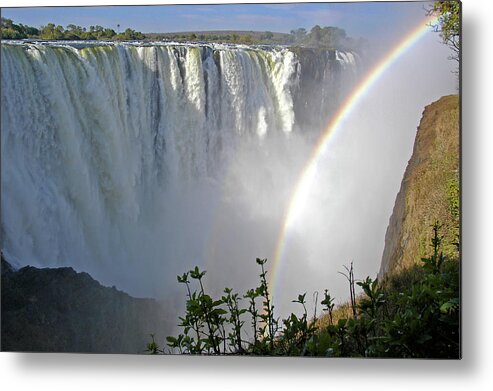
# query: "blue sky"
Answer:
x=358 y=19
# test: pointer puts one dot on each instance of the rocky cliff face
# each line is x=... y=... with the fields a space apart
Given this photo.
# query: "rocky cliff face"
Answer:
x=429 y=191
x=324 y=79
x=60 y=310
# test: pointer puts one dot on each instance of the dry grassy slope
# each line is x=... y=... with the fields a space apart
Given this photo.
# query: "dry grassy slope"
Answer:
x=429 y=190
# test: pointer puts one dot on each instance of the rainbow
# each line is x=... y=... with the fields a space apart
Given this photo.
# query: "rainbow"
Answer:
x=300 y=192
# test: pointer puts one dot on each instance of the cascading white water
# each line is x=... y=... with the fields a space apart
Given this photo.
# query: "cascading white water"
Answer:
x=135 y=162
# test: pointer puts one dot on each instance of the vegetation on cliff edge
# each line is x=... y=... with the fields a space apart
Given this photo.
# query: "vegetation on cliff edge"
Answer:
x=448 y=24
x=11 y=30
x=327 y=37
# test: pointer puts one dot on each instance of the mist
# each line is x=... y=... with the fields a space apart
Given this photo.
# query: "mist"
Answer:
x=351 y=200
x=220 y=201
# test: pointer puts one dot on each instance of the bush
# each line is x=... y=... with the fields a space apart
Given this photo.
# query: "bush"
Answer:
x=414 y=314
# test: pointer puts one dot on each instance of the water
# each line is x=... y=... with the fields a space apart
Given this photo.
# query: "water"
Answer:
x=136 y=162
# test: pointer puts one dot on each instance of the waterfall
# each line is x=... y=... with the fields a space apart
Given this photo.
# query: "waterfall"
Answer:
x=133 y=162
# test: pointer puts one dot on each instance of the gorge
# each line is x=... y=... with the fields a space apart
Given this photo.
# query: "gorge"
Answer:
x=135 y=162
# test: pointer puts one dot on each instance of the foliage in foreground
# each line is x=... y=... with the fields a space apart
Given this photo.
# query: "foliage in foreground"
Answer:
x=412 y=315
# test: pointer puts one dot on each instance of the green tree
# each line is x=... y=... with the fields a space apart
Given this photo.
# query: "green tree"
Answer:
x=129 y=35
x=298 y=34
x=448 y=24
x=327 y=37
x=107 y=34
x=50 y=31
x=268 y=35
x=10 y=30
x=30 y=31
x=10 y=33
x=246 y=39
x=73 y=32
x=7 y=23
x=316 y=33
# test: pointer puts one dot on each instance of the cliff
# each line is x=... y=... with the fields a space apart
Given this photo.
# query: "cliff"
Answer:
x=60 y=310
x=429 y=191
x=323 y=81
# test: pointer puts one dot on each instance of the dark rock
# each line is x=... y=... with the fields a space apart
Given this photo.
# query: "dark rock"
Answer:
x=60 y=310
x=6 y=267
x=322 y=86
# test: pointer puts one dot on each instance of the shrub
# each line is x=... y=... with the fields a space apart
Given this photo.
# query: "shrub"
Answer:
x=414 y=314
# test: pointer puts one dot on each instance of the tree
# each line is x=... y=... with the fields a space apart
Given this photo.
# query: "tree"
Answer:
x=107 y=33
x=30 y=31
x=7 y=23
x=9 y=33
x=10 y=30
x=298 y=34
x=327 y=37
x=129 y=35
x=50 y=31
x=316 y=33
x=448 y=24
x=73 y=32
x=246 y=39
x=333 y=37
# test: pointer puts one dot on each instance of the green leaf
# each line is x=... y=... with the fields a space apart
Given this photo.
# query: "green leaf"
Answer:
x=423 y=338
x=450 y=306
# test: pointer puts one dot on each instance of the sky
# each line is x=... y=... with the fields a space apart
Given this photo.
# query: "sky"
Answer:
x=358 y=19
